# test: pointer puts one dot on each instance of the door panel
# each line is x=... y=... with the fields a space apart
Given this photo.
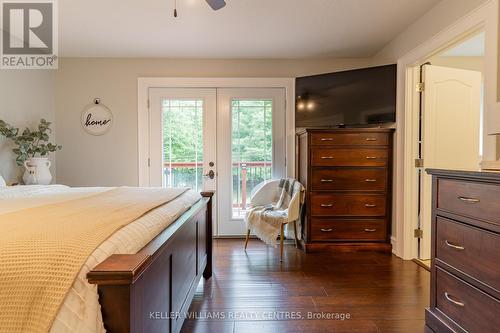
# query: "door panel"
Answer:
x=451 y=130
x=182 y=143
x=251 y=149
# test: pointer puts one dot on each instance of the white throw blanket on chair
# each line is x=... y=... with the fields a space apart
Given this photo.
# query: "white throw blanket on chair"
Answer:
x=265 y=221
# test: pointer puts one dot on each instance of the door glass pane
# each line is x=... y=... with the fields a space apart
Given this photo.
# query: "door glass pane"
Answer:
x=252 y=144
x=182 y=143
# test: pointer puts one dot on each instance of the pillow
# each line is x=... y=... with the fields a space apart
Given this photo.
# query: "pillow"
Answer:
x=2 y=182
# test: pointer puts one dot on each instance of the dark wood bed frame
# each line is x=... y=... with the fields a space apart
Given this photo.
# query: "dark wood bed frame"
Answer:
x=151 y=291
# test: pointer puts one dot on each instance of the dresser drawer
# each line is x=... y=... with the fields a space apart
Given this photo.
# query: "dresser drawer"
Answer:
x=369 y=179
x=344 y=139
x=470 y=308
x=470 y=250
x=349 y=157
x=476 y=200
x=369 y=230
x=332 y=204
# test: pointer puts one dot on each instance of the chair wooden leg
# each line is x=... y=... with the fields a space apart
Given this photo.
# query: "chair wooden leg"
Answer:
x=282 y=236
x=295 y=233
x=246 y=240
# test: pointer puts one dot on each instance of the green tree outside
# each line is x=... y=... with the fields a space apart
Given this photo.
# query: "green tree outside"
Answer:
x=251 y=141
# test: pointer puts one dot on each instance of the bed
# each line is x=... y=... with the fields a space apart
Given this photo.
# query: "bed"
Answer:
x=140 y=279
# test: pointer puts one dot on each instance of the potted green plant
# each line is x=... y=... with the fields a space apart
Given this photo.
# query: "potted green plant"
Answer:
x=32 y=148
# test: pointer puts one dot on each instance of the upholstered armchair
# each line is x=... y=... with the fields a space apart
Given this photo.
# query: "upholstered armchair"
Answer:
x=267 y=193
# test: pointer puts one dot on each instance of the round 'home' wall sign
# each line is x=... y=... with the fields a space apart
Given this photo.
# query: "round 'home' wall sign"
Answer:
x=97 y=119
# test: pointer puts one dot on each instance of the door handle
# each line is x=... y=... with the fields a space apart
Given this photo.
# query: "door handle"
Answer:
x=370 y=180
x=210 y=174
x=326 y=180
x=371 y=157
x=326 y=205
x=370 y=230
x=371 y=139
x=326 y=157
x=326 y=230
x=326 y=139
x=370 y=205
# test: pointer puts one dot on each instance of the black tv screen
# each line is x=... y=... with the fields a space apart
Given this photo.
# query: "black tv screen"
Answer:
x=349 y=98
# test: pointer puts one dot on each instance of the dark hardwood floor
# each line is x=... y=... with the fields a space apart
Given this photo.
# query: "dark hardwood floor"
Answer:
x=252 y=292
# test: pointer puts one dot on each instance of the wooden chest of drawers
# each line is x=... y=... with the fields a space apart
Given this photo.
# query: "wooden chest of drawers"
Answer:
x=347 y=175
x=465 y=271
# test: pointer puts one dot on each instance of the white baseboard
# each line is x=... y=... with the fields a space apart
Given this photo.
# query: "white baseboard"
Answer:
x=394 y=246
x=490 y=165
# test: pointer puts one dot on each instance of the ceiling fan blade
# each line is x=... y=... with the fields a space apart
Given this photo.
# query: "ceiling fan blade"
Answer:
x=216 y=4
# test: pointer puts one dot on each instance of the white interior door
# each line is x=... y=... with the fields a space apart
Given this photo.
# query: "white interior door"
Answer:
x=251 y=149
x=451 y=130
x=182 y=138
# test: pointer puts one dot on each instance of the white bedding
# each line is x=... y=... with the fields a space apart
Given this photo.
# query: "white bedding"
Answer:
x=80 y=311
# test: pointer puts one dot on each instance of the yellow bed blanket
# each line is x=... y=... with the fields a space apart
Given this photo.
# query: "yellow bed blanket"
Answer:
x=43 y=248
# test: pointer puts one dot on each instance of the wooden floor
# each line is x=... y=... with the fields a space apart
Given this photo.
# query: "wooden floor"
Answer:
x=379 y=292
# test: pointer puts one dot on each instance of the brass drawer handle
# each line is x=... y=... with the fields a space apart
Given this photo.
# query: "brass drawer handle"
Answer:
x=326 y=230
x=371 y=139
x=326 y=180
x=370 y=180
x=456 y=247
x=370 y=230
x=326 y=157
x=371 y=157
x=326 y=205
x=370 y=205
x=469 y=200
x=326 y=139
x=450 y=299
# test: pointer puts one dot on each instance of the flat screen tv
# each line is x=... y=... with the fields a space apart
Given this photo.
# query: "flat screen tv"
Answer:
x=353 y=98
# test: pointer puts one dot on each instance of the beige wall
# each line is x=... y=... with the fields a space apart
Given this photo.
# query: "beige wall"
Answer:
x=111 y=160
x=469 y=63
x=444 y=14
x=26 y=96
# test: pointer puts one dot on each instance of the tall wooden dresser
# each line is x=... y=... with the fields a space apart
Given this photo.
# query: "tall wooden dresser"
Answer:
x=347 y=174
x=465 y=270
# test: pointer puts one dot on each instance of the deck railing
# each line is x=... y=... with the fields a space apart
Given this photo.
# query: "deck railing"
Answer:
x=246 y=175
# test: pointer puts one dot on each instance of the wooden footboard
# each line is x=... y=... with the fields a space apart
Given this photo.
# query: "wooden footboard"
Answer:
x=151 y=291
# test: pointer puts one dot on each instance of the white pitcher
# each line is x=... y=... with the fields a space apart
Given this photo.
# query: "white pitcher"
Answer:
x=37 y=171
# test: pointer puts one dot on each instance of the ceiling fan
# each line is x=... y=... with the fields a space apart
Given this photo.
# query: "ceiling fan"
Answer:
x=215 y=4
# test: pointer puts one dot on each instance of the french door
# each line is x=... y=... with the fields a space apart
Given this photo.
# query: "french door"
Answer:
x=227 y=140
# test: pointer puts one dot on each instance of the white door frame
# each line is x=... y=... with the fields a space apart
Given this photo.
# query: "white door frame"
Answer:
x=484 y=18
x=143 y=109
x=144 y=83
